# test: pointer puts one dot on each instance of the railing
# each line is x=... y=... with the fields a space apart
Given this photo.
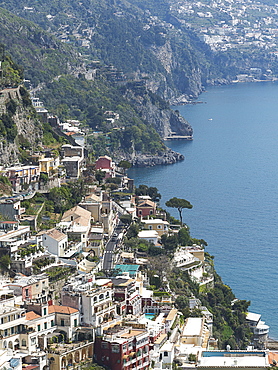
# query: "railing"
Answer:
x=69 y=348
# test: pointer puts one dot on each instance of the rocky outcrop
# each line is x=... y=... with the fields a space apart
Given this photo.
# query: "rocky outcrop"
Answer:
x=9 y=153
x=167 y=157
x=182 y=76
x=158 y=114
x=28 y=127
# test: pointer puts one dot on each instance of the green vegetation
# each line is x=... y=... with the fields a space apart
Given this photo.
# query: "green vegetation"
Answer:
x=87 y=101
x=4 y=180
x=58 y=273
x=180 y=204
x=56 y=202
x=42 y=262
x=151 y=191
x=5 y=262
x=229 y=315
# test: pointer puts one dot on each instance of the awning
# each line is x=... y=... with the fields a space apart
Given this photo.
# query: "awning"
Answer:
x=14 y=362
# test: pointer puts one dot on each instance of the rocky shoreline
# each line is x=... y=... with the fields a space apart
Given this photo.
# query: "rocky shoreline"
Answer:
x=167 y=157
x=272 y=344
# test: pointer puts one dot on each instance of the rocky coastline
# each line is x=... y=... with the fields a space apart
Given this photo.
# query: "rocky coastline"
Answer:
x=165 y=158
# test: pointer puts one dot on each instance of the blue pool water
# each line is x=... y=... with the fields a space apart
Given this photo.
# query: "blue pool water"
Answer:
x=149 y=316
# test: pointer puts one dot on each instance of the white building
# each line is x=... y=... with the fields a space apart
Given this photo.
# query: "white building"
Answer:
x=55 y=242
x=259 y=328
x=149 y=235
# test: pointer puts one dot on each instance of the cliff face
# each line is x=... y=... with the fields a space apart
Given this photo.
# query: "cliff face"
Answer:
x=27 y=131
x=181 y=82
x=158 y=114
x=167 y=157
x=165 y=121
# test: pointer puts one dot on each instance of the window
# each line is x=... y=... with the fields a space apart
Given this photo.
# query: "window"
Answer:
x=44 y=311
x=62 y=322
x=75 y=323
x=26 y=292
x=23 y=343
x=12 y=330
x=39 y=328
x=45 y=325
x=165 y=354
x=115 y=348
x=159 y=226
x=104 y=345
x=52 y=322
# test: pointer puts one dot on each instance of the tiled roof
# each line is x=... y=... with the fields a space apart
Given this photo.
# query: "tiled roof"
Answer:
x=56 y=234
x=146 y=203
x=62 y=309
x=31 y=315
x=78 y=211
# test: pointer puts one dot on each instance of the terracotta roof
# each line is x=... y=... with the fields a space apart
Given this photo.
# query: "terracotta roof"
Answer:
x=61 y=309
x=77 y=211
x=272 y=356
x=56 y=234
x=82 y=221
x=31 y=315
x=93 y=197
x=146 y=203
x=104 y=156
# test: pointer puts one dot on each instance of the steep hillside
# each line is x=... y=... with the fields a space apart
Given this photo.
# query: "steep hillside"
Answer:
x=136 y=42
x=42 y=55
x=20 y=129
x=148 y=39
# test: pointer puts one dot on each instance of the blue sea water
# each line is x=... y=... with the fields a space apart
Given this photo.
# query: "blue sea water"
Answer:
x=230 y=175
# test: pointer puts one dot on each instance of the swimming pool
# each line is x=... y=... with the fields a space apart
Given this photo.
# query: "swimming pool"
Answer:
x=149 y=316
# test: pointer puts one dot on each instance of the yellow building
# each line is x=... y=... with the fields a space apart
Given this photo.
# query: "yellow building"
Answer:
x=158 y=225
x=63 y=356
x=48 y=164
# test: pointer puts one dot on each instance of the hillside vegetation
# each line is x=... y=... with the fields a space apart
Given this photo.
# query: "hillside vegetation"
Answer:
x=134 y=58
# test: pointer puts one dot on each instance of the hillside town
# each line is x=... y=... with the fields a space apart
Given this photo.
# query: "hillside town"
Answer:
x=77 y=292
x=232 y=24
x=222 y=25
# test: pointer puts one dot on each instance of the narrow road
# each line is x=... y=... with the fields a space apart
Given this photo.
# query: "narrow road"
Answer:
x=108 y=255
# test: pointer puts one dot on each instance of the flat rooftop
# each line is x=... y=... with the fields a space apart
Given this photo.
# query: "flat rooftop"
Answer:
x=192 y=327
x=222 y=359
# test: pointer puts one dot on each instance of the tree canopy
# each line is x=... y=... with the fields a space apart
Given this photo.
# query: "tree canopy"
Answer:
x=180 y=204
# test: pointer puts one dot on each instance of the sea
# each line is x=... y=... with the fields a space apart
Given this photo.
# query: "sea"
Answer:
x=230 y=176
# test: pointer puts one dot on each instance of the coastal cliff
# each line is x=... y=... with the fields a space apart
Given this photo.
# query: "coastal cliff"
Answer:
x=157 y=112
x=21 y=131
x=164 y=158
